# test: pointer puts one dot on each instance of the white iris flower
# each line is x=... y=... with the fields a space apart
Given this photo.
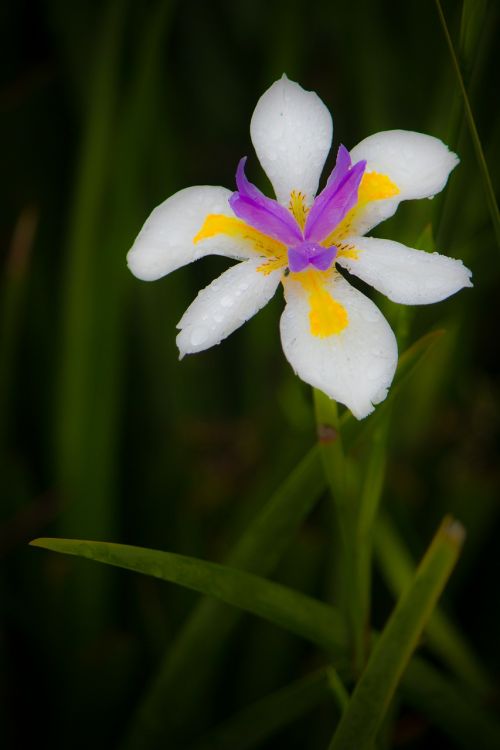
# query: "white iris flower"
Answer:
x=334 y=337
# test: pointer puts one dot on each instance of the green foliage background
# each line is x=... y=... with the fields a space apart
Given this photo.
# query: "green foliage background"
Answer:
x=107 y=109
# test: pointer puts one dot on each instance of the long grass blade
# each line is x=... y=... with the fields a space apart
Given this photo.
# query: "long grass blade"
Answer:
x=199 y=644
x=442 y=636
x=12 y=304
x=290 y=609
x=261 y=720
x=476 y=141
x=443 y=703
x=83 y=460
x=324 y=627
x=392 y=652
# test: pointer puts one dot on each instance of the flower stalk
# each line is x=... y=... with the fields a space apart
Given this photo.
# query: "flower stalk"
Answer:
x=343 y=496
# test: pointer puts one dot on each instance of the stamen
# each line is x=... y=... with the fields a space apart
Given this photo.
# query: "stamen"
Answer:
x=219 y=224
x=345 y=250
x=374 y=187
x=273 y=264
x=298 y=207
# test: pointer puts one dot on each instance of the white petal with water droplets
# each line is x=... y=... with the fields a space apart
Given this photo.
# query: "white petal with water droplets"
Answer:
x=165 y=242
x=408 y=276
x=291 y=131
x=225 y=305
x=356 y=366
x=418 y=164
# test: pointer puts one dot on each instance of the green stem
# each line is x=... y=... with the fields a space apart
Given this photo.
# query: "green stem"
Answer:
x=336 y=471
x=365 y=521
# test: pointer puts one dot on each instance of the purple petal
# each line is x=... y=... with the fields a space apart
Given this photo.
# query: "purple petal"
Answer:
x=333 y=203
x=323 y=258
x=263 y=213
x=310 y=253
x=297 y=260
x=342 y=166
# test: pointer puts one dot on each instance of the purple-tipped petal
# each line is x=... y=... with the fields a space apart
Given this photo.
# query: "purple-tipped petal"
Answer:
x=342 y=166
x=263 y=213
x=245 y=187
x=310 y=254
x=297 y=260
x=333 y=203
x=323 y=258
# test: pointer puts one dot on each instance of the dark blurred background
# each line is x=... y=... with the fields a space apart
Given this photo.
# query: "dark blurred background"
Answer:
x=107 y=108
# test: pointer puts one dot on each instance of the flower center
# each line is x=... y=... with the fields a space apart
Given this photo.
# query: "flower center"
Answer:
x=310 y=254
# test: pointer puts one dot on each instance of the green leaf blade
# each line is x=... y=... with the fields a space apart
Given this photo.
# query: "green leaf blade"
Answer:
x=471 y=123
x=257 y=722
x=442 y=636
x=199 y=644
x=376 y=687
x=296 y=612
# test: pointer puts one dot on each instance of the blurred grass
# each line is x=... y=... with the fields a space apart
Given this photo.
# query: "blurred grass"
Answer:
x=106 y=110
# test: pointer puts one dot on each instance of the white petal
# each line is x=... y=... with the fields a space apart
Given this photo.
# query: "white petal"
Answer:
x=354 y=367
x=165 y=242
x=418 y=164
x=291 y=131
x=225 y=305
x=408 y=276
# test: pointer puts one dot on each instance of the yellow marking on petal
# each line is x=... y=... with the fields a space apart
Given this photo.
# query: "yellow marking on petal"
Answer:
x=327 y=317
x=374 y=187
x=298 y=207
x=219 y=224
x=346 y=251
x=273 y=264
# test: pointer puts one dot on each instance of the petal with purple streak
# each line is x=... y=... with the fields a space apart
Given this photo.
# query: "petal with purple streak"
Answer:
x=262 y=213
x=333 y=203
